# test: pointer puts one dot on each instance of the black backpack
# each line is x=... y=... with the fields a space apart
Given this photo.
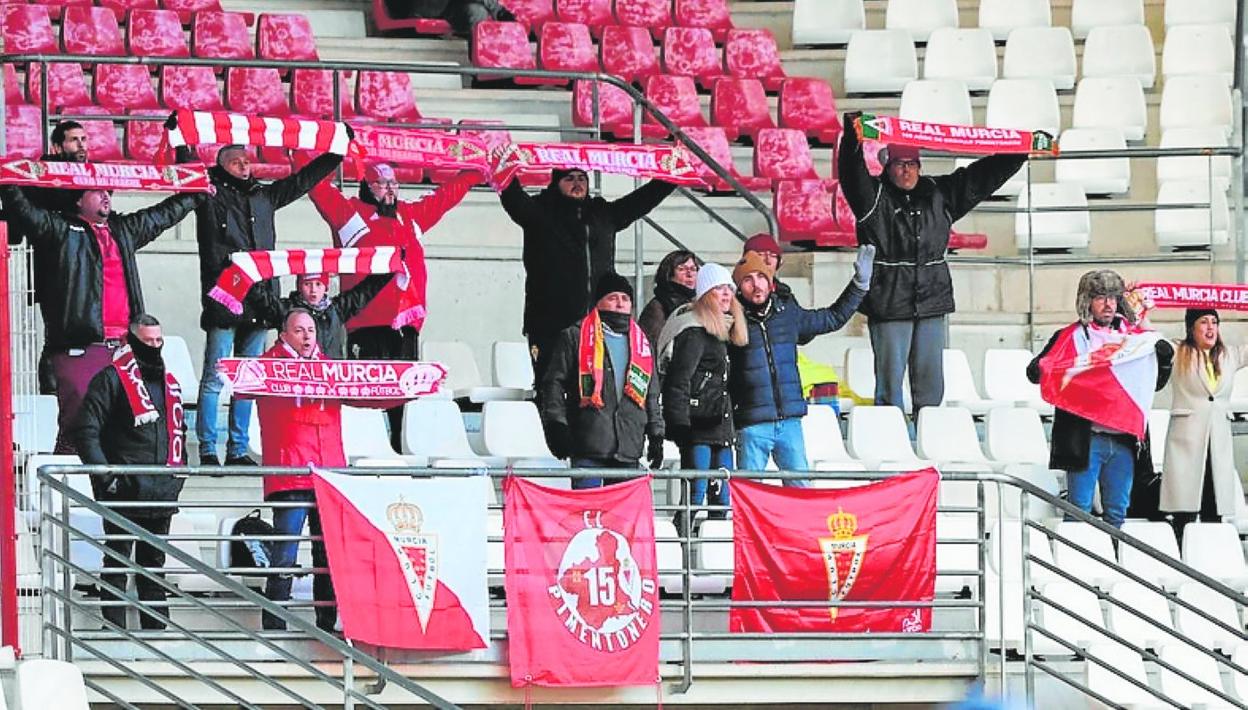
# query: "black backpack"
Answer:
x=251 y=553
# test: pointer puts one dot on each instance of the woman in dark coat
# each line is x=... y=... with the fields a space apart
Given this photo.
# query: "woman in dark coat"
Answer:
x=674 y=282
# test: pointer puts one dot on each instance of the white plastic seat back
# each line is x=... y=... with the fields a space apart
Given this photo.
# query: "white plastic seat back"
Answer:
x=1109 y=681
x=1198 y=665
x=714 y=551
x=513 y=367
x=434 y=428
x=1081 y=633
x=880 y=61
x=1111 y=102
x=954 y=556
x=879 y=434
x=1201 y=630
x=1199 y=50
x=513 y=430
x=1052 y=230
x=177 y=357
x=826 y=21
x=937 y=101
x=920 y=17
x=1195 y=167
x=1041 y=53
x=462 y=373
x=859 y=371
x=1079 y=565
x=1001 y=16
x=364 y=433
x=821 y=429
x=960 y=389
x=1086 y=14
x=35 y=422
x=947 y=435
x=1005 y=551
x=1195 y=101
x=1026 y=104
x=1158 y=427
x=1153 y=606
x=1015 y=435
x=45 y=684
x=1160 y=536
x=1199 y=12
x=1190 y=227
x=967 y=55
x=1120 y=50
x=1215 y=549
x=33 y=494
x=1101 y=176
x=1005 y=377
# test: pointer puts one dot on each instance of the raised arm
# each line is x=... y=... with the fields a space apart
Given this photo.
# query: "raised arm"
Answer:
x=861 y=189
x=638 y=203
x=288 y=189
x=351 y=302
x=834 y=317
x=426 y=211
x=518 y=205
x=966 y=187
x=151 y=222
x=338 y=212
x=40 y=225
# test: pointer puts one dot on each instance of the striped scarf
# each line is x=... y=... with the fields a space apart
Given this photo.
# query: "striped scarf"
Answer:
x=212 y=127
x=591 y=356
x=144 y=409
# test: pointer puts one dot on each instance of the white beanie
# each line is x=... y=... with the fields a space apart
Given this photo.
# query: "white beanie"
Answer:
x=710 y=276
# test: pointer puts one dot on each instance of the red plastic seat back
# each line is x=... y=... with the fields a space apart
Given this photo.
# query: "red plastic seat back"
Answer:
x=255 y=91
x=781 y=153
x=121 y=8
x=186 y=9
x=91 y=30
x=28 y=30
x=23 y=135
x=803 y=207
x=689 y=51
x=386 y=95
x=221 y=35
x=286 y=37
x=124 y=86
x=13 y=93
x=595 y=13
x=566 y=46
x=654 y=15
x=102 y=142
x=677 y=97
x=156 y=33
x=144 y=137
x=752 y=54
x=66 y=86
x=740 y=106
x=192 y=88
x=531 y=13
x=713 y=15
x=502 y=45
x=628 y=52
x=313 y=93
x=615 y=107
x=808 y=105
x=714 y=142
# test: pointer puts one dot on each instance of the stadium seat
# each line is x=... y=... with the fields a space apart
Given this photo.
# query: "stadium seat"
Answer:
x=920 y=17
x=532 y=13
x=1102 y=176
x=28 y=30
x=946 y=436
x=221 y=35
x=858 y=372
x=1080 y=565
x=1111 y=102
x=595 y=13
x=512 y=366
x=1041 y=53
x=1196 y=101
x=1005 y=626
x=1121 y=50
x=714 y=15
x=878 y=437
x=192 y=88
x=714 y=551
x=285 y=37
x=124 y=86
x=1199 y=12
x=615 y=108
x=1024 y=104
x=825 y=447
x=1190 y=227
x=1195 y=167
x=1015 y=435
x=1198 y=50
x=805 y=212
x=1199 y=629
x=691 y=51
x=45 y=683
x=1160 y=536
x=1215 y=549
x=1005 y=553
x=1239 y=681
x=434 y=429
x=23 y=137
x=967 y=55
x=13 y=92
x=954 y=557
x=1005 y=378
x=122 y=8
x=156 y=33
x=142 y=142
x=464 y=380
x=628 y=52
x=35 y=427
x=256 y=91
x=653 y=15
x=1084 y=624
x=820 y=22
x=1197 y=665
x=783 y=154
x=420 y=25
x=752 y=54
x=386 y=95
x=514 y=431
x=715 y=143
x=740 y=107
x=1111 y=679
x=880 y=61
x=937 y=101
x=312 y=91
x=67 y=88
x=960 y=390
x=677 y=98
x=1052 y=230
x=1000 y=17
x=190 y=524
x=91 y=30
x=364 y=435
x=807 y=105
x=565 y=46
x=1150 y=604
x=1086 y=14
x=503 y=45
x=187 y=9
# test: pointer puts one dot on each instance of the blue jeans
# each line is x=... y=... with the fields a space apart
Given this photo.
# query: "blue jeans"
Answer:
x=704 y=457
x=224 y=342
x=781 y=440
x=285 y=553
x=1112 y=462
x=582 y=483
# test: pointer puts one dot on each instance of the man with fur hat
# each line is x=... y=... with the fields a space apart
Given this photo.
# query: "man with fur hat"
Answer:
x=908 y=217
x=598 y=397
x=1094 y=452
x=569 y=244
x=763 y=381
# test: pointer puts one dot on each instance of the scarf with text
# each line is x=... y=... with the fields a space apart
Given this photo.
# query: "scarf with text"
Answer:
x=670 y=163
x=318 y=377
x=189 y=177
x=591 y=355
x=144 y=409
x=1158 y=294
x=976 y=140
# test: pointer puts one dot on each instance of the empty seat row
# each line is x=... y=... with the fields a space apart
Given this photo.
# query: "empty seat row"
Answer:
x=652 y=15
x=185 y=8
x=1005 y=381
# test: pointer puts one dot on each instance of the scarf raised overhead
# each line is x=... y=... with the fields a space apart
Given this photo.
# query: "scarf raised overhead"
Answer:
x=591 y=356
x=145 y=410
x=213 y=127
x=105 y=176
x=979 y=140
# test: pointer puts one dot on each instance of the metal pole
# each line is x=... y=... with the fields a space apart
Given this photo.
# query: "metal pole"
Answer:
x=67 y=581
x=9 y=635
x=982 y=533
x=639 y=227
x=1031 y=269
x=348 y=680
x=686 y=643
x=1028 y=671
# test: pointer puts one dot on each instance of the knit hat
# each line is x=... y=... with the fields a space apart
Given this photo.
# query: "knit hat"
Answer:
x=895 y=151
x=1101 y=282
x=612 y=282
x=323 y=278
x=764 y=243
x=751 y=262
x=711 y=276
x=377 y=172
x=560 y=173
x=1194 y=314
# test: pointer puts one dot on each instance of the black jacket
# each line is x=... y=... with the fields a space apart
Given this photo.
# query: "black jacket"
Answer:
x=331 y=321
x=72 y=311
x=48 y=198
x=910 y=230
x=240 y=218
x=1072 y=434
x=668 y=296
x=568 y=245
x=617 y=431
x=105 y=434
x=696 y=403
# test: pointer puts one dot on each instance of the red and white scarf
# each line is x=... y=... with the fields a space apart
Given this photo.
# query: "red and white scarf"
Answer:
x=670 y=163
x=591 y=356
x=978 y=140
x=190 y=177
x=145 y=410
x=248 y=268
x=212 y=127
x=1154 y=294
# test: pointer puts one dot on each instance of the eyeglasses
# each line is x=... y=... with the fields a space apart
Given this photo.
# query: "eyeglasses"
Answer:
x=383 y=184
x=687 y=269
x=905 y=164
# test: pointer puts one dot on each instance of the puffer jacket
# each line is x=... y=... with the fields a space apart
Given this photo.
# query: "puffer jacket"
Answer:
x=910 y=230
x=668 y=296
x=331 y=320
x=297 y=432
x=73 y=310
x=762 y=376
x=568 y=245
x=695 y=401
x=240 y=218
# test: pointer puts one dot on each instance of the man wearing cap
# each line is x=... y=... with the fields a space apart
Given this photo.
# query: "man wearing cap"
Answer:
x=597 y=396
x=569 y=244
x=763 y=380
x=907 y=216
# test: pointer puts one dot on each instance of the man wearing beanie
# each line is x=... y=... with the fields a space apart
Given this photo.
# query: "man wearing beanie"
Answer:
x=569 y=244
x=597 y=395
x=908 y=217
x=763 y=380
x=1093 y=453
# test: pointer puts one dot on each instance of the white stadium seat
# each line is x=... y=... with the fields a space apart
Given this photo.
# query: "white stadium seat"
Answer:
x=952 y=556
x=960 y=390
x=1196 y=101
x=946 y=435
x=1150 y=633
x=1001 y=16
x=880 y=61
x=45 y=684
x=1239 y=393
x=1005 y=626
x=177 y=357
x=818 y=22
x=1070 y=229
x=1110 y=680
x=34 y=422
x=365 y=435
x=188 y=523
x=1215 y=549
x=878 y=437
x=1041 y=53
x=967 y=55
x=1005 y=552
x=1015 y=435
x=1081 y=603
x=1197 y=665
x=1199 y=12
x=1202 y=631
x=825 y=449
x=513 y=366
x=1005 y=378
x=434 y=429
x=1111 y=102
x=1099 y=176
x=1026 y=104
x=1195 y=167
x=937 y=101
x=1191 y=227
x=1079 y=565
x=920 y=17
x=1158 y=427
x=859 y=371
x=1159 y=536
x=1120 y=50
x=1086 y=14
x=463 y=379
x=1198 y=49
x=513 y=430
x=714 y=551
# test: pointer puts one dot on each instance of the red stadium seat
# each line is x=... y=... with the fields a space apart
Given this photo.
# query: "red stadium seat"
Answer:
x=628 y=52
x=804 y=213
x=286 y=38
x=57 y=7
x=503 y=45
x=690 y=51
x=13 y=93
x=677 y=98
x=91 y=30
x=481 y=129
x=713 y=15
x=783 y=154
x=807 y=105
x=654 y=15
x=595 y=13
x=221 y=35
x=156 y=33
x=740 y=107
x=531 y=13
x=255 y=91
x=193 y=88
x=66 y=86
x=713 y=141
x=967 y=240
x=615 y=107
x=124 y=86
x=313 y=93
x=566 y=46
x=386 y=95
x=101 y=134
x=122 y=8
x=28 y=30
x=23 y=132
x=420 y=25
x=144 y=137
x=186 y=9
x=752 y=54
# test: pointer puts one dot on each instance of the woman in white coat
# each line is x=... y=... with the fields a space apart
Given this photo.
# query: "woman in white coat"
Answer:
x=1199 y=477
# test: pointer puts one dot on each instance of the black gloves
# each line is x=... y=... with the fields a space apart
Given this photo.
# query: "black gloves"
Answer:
x=848 y=118
x=679 y=435
x=559 y=440
x=172 y=122
x=654 y=451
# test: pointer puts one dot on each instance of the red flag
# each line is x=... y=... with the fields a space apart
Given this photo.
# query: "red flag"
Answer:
x=582 y=585
x=870 y=543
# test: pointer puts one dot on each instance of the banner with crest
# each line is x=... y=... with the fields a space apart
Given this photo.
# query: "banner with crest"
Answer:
x=874 y=543
x=190 y=177
x=363 y=380
x=408 y=558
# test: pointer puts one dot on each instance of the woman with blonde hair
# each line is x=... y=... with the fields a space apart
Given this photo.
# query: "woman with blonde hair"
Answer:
x=693 y=357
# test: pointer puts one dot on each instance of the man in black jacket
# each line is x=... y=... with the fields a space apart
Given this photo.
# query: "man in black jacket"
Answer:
x=569 y=244
x=1093 y=453
x=90 y=256
x=908 y=217
x=330 y=313
x=132 y=416
x=238 y=218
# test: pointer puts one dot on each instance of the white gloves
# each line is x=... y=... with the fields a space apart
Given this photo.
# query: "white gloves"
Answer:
x=863 y=265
